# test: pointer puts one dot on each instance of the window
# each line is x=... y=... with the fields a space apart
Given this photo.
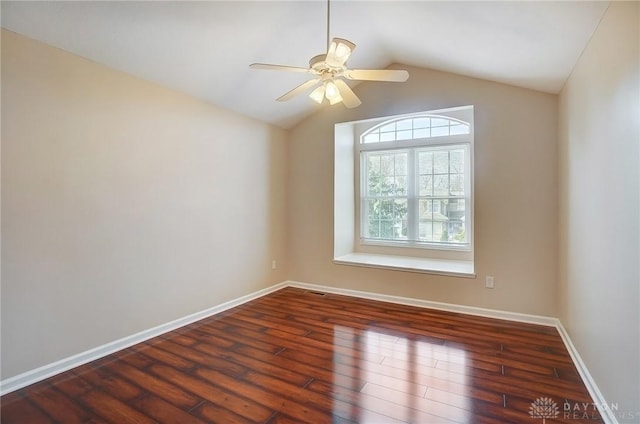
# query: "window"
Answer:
x=403 y=193
x=415 y=184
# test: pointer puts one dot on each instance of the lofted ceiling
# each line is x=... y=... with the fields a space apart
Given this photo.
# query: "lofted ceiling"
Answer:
x=203 y=48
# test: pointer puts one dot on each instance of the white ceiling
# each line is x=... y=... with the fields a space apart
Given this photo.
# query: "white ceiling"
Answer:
x=204 y=48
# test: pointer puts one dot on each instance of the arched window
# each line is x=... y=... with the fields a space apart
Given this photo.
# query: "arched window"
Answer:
x=416 y=127
x=415 y=186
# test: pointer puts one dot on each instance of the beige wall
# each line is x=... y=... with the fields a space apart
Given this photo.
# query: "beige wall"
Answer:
x=515 y=192
x=599 y=152
x=124 y=205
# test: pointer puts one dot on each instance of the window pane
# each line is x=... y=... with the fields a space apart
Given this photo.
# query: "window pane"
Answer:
x=373 y=175
x=387 y=174
x=430 y=221
x=438 y=206
x=442 y=221
x=386 y=209
x=459 y=129
x=372 y=138
x=373 y=163
x=389 y=127
x=388 y=136
x=425 y=162
x=422 y=133
x=373 y=230
x=387 y=219
x=439 y=131
x=400 y=186
x=433 y=221
x=405 y=124
x=426 y=185
x=400 y=219
x=404 y=135
x=373 y=187
x=425 y=208
x=441 y=162
x=457 y=161
x=425 y=230
x=441 y=185
x=386 y=164
x=374 y=218
x=387 y=186
x=455 y=225
x=421 y=123
x=386 y=229
x=440 y=122
x=374 y=209
x=457 y=185
x=401 y=164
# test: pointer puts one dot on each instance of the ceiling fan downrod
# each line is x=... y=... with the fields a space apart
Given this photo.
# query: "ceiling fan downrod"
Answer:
x=328 y=23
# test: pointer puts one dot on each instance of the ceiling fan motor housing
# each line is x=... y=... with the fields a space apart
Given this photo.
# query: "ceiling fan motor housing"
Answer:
x=320 y=67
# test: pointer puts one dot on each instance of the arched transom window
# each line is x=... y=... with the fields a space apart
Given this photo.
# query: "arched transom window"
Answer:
x=414 y=128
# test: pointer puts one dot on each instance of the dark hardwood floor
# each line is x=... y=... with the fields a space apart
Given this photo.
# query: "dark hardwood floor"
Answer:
x=300 y=357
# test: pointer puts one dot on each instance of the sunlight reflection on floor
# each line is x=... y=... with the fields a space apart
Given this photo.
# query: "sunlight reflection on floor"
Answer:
x=396 y=379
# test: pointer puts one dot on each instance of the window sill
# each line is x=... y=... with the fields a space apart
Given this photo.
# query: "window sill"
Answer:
x=406 y=263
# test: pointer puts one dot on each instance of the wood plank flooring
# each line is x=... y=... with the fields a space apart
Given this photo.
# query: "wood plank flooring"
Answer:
x=301 y=357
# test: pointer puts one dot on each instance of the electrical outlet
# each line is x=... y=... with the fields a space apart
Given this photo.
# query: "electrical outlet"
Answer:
x=273 y=264
x=488 y=282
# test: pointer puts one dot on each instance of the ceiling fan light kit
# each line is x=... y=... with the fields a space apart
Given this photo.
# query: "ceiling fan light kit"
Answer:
x=338 y=52
x=317 y=95
x=327 y=90
x=330 y=70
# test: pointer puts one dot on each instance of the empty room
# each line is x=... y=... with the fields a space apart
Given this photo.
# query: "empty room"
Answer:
x=344 y=211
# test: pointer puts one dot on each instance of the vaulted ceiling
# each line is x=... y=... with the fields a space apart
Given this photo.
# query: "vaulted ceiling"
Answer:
x=204 y=48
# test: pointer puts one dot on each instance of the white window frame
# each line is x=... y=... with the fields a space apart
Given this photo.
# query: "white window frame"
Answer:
x=349 y=249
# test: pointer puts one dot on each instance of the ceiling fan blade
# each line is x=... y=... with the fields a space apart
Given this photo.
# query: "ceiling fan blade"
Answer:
x=271 y=67
x=391 y=75
x=349 y=98
x=299 y=89
x=339 y=51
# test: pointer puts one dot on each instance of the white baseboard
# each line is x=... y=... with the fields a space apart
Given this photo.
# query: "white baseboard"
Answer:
x=30 y=377
x=449 y=307
x=598 y=398
x=33 y=376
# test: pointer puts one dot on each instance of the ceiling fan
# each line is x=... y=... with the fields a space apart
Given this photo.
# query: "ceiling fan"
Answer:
x=329 y=71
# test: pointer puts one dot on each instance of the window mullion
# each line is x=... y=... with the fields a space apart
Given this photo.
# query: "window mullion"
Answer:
x=412 y=202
